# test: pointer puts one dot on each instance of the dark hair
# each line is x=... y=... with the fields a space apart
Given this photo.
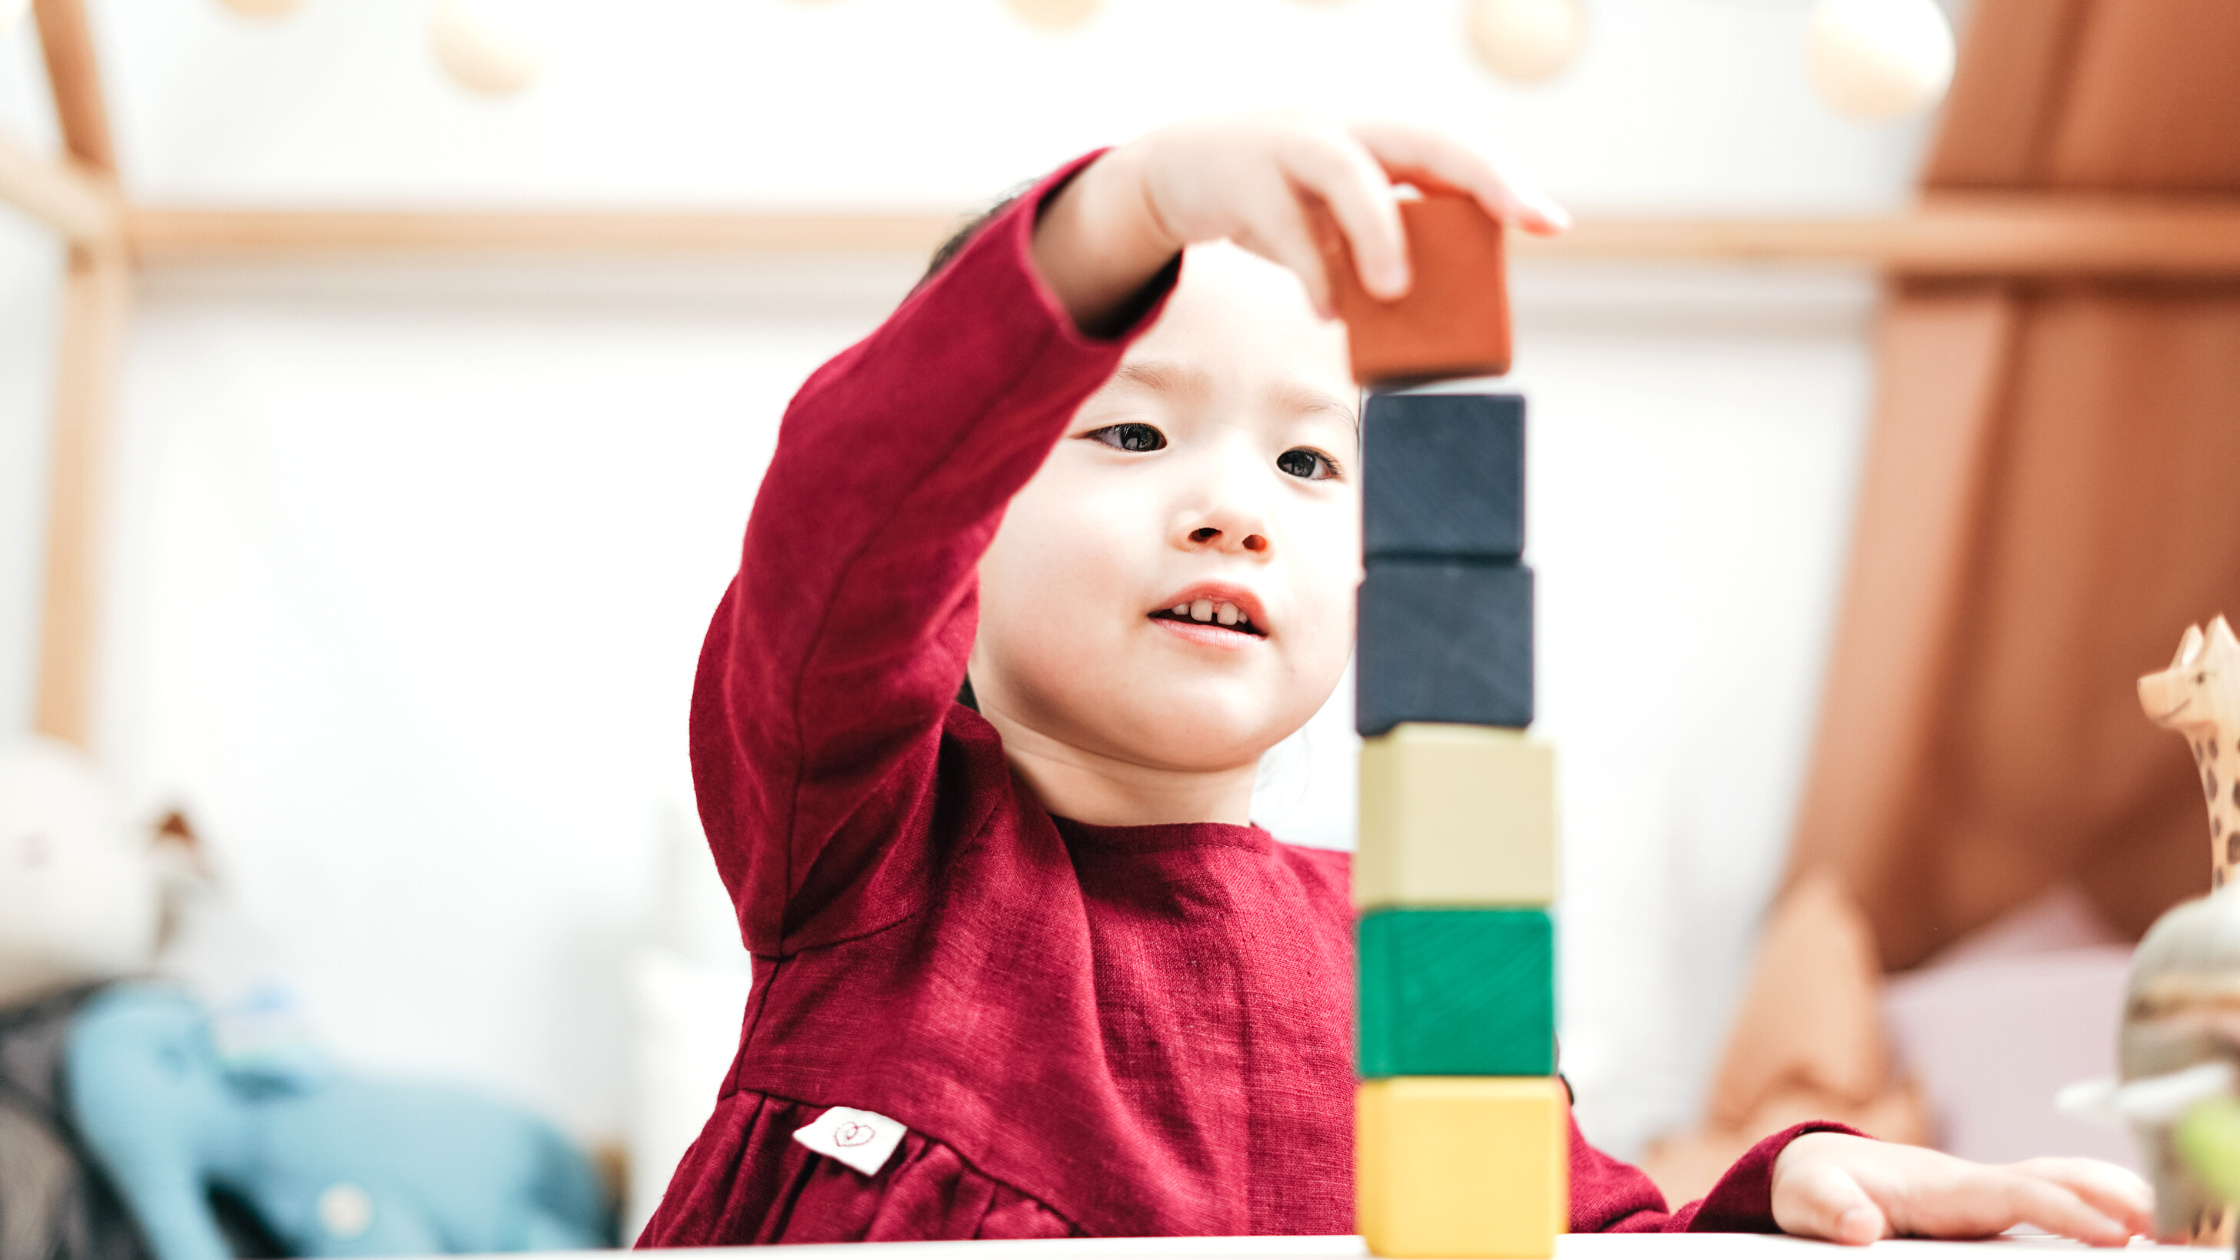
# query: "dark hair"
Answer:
x=967 y=230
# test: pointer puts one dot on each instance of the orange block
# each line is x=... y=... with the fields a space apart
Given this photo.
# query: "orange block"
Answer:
x=1454 y=321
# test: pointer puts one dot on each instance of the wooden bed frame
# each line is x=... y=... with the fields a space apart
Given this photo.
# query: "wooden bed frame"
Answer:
x=2014 y=236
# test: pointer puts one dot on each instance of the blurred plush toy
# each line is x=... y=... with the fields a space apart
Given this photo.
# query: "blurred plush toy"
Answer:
x=183 y=1115
x=2181 y=1020
x=2208 y=1139
x=79 y=892
x=333 y=1167
x=2185 y=979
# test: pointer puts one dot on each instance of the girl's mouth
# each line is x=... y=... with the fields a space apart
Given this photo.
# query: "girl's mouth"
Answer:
x=1217 y=615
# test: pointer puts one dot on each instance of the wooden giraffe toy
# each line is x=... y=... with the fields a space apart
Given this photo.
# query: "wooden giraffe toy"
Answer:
x=2182 y=1005
x=2199 y=697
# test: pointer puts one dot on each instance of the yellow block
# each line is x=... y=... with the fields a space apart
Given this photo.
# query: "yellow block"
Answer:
x=1462 y=1166
x=1456 y=815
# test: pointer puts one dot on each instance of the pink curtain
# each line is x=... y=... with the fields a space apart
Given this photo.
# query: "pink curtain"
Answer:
x=2052 y=493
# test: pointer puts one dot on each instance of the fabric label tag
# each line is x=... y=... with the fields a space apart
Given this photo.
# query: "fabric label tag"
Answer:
x=863 y=1140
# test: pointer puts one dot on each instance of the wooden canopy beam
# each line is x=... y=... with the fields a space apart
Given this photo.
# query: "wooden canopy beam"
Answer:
x=2007 y=235
x=2022 y=235
x=82 y=208
x=78 y=196
x=160 y=235
x=74 y=76
x=96 y=297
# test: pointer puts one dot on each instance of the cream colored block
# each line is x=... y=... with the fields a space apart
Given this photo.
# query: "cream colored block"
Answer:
x=1456 y=816
x=1462 y=1166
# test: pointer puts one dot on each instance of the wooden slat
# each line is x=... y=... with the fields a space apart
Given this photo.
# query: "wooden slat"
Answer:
x=168 y=235
x=74 y=75
x=96 y=296
x=82 y=207
x=2014 y=235
x=1951 y=235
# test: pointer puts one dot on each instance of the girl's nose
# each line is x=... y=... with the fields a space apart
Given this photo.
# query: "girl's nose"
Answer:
x=1205 y=534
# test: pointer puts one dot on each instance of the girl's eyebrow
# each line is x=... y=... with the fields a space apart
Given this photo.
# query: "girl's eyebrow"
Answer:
x=1295 y=398
x=1164 y=378
x=1302 y=400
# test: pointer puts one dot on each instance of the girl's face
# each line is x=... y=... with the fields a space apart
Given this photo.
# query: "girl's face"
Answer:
x=1174 y=588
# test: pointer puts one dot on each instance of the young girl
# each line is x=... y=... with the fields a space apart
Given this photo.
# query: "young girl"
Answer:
x=1098 y=473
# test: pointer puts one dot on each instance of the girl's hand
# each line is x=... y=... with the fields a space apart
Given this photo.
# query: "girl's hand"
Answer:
x=1855 y=1190
x=1254 y=179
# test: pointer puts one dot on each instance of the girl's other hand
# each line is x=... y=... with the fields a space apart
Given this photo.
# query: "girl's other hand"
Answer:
x=1255 y=180
x=1854 y=1190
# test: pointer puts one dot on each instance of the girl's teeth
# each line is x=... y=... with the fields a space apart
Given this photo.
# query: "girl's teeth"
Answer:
x=1182 y=610
x=1228 y=614
x=1201 y=610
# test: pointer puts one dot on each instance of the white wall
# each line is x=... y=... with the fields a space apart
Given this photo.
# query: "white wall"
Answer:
x=412 y=591
x=1694 y=444
x=412 y=566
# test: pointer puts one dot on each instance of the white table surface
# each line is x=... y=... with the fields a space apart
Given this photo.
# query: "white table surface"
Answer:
x=1350 y=1247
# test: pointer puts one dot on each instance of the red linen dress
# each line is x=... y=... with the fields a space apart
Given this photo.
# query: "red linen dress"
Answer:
x=1087 y=1030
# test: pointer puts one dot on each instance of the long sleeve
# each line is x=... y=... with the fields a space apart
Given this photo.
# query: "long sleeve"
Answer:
x=835 y=656
x=1609 y=1196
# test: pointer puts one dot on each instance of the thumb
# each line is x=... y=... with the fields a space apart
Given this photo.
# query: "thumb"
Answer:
x=1822 y=1201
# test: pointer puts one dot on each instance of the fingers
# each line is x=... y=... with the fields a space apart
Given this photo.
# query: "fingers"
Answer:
x=1350 y=182
x=2025 y=1198
x=1265 y=182
x=1822 y=1201
x=1277 y=228
x=1422 y=157
x=2116 y=1193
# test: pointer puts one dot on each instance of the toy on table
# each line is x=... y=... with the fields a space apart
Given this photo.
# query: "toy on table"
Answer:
x=332 y=1167
x=2199 y=697
x=1462 y=1128
x=2207 y=1138
x=54 y=1203
x=124 y=1106
x=2181 y=1019
x=2179 y=1049
x=79 y=892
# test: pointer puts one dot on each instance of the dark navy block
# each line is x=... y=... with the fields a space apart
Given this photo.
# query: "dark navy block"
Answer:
x=1443 y=641
x=1443 y=475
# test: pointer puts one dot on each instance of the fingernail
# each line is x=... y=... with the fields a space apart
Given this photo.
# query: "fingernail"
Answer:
x=1393 y=277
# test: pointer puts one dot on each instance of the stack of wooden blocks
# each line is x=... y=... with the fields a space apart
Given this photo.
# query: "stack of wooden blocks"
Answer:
x=1462 y=1125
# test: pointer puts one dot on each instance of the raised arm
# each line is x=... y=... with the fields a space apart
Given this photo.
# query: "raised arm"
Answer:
x=839 y=647
x=834 y=658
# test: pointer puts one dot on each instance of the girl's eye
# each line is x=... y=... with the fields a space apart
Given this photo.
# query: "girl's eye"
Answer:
x=1306 y=465
x=1131 y=437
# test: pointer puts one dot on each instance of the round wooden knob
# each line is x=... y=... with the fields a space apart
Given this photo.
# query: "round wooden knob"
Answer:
x=481 y=51
x=1054 y=15
x=1525 y=40
x=262 y=8
x=1880 y=58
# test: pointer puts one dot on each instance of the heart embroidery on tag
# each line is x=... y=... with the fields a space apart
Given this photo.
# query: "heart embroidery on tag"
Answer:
x=853 y=1133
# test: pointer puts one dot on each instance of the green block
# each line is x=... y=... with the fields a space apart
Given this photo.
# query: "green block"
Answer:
x=1457 y=993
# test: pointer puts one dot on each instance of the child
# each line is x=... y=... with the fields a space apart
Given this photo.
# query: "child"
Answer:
x=1108 y=488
